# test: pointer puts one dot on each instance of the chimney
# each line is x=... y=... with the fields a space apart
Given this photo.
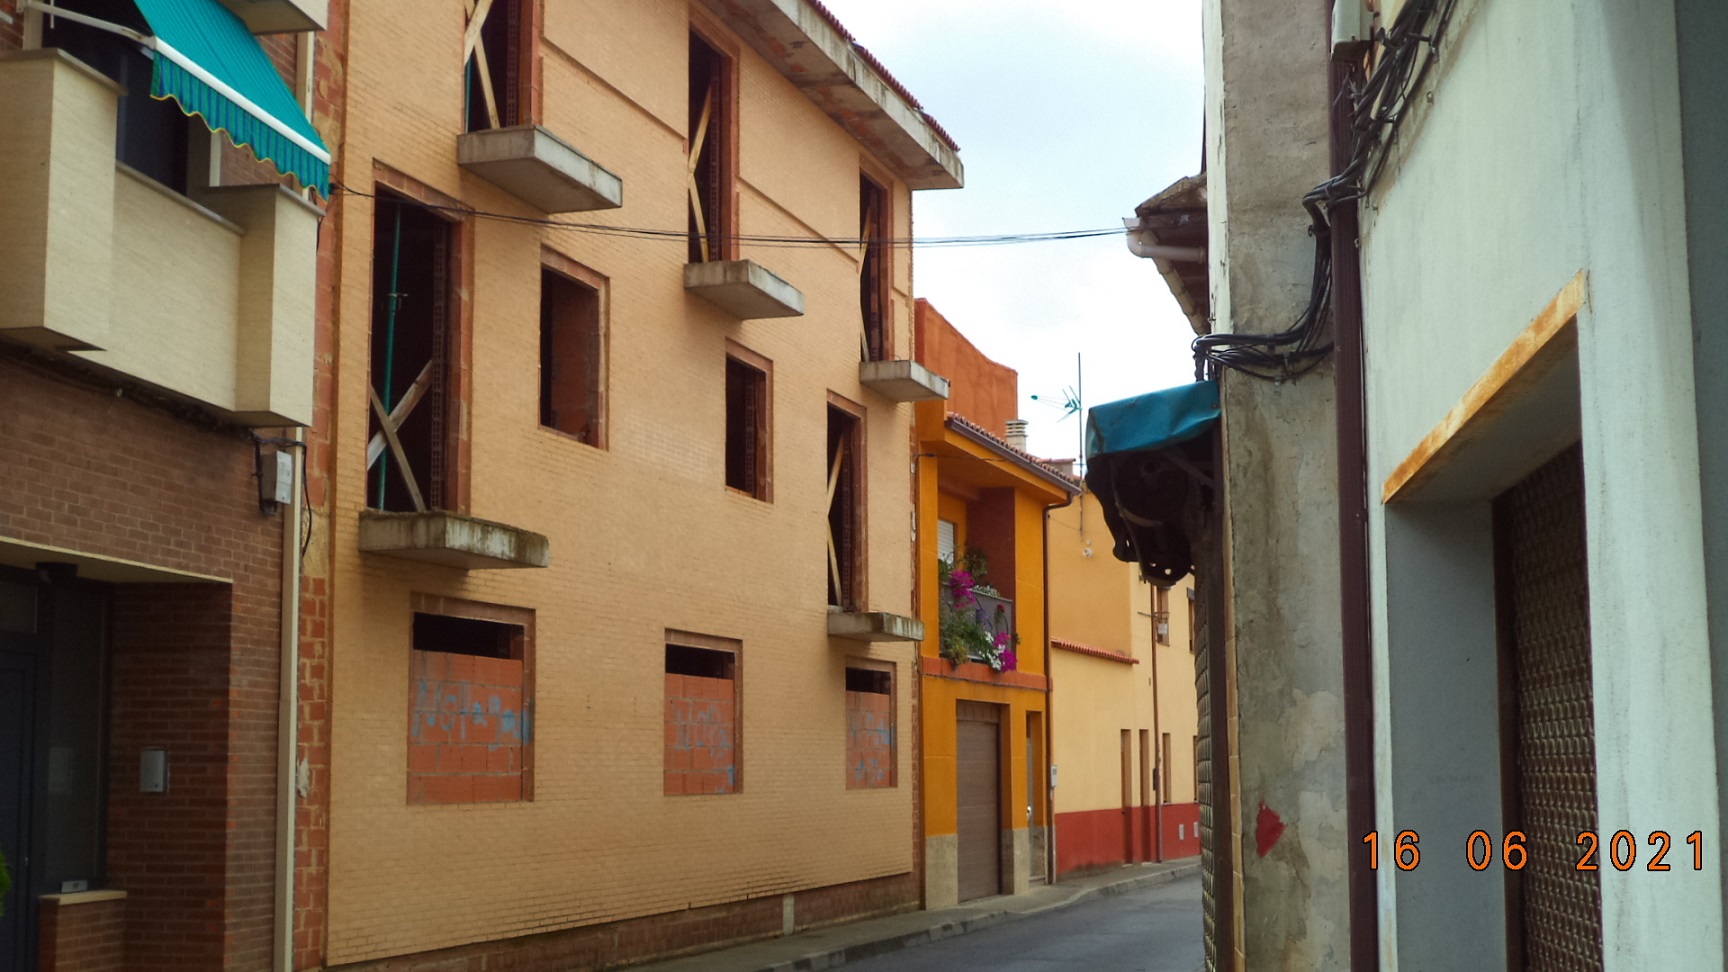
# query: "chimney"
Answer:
x=1017 y=433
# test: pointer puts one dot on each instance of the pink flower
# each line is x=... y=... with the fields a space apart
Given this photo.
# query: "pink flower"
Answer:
x=1010 y=661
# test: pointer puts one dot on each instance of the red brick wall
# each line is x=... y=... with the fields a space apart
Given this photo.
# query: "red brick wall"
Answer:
x=466 y=729
x=869 y=740
x=11 y=35
x=990 y=526
x=86 y=937
x=980 y=389
x=194 y=665
x=660 y=936
x=312 y=823
x=701 y=735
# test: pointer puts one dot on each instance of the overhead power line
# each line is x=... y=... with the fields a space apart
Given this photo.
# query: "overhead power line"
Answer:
x=681 y=235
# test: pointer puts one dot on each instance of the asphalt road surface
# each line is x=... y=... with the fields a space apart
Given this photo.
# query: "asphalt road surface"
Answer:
x=1154 y=929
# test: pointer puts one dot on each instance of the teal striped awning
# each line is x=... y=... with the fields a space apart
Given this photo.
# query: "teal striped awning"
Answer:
x=211 y=65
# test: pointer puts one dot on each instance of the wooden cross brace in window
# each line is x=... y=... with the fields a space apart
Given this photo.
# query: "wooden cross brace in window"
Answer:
x=388 y=424
x=696 y=141
x=472 y=48
x=833 y=547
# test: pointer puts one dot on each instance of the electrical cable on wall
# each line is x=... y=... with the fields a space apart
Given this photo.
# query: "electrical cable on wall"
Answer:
x=849 y=243
x=1381 y=103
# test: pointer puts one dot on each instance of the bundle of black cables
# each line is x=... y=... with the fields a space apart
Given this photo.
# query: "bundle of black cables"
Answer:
x=1381 y=101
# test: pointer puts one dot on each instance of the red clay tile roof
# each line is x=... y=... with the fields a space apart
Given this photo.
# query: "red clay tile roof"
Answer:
x=976 y=429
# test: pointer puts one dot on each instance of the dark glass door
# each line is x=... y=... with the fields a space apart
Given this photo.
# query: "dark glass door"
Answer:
x=17 y=748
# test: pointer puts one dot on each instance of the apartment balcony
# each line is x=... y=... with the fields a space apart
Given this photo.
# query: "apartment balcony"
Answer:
x=903 y=381
x=452 y=540
x=540 y=169
x=207 y=298
x=743 y=288
x=280 y=16
x=871 y=626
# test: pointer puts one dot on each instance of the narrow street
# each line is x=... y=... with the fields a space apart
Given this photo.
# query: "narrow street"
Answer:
x=1155 y=929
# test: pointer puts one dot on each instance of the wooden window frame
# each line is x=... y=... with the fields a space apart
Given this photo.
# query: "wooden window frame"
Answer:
x=858 y=555
x=764 y=459
x=565 y=267
x=723 y=244
x=524 y=618
x=458 y=372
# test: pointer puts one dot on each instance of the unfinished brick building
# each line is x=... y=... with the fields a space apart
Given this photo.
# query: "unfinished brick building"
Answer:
x=610 y=594
x=156 y=327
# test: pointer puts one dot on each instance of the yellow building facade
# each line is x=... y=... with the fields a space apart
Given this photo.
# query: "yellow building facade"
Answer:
x=614 y=521
x=1125 y=717
x=984 y=719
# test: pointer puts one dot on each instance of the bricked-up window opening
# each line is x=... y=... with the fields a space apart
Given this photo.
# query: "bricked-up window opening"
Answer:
x=845 y=510
x=701 y=721
x=470 y=722
x=408 y=455
x=873 y=281
x=154 y=137
x=710 y=180
x=571 y=366
x=494 y=46
x=870 y=762
x=746 y=428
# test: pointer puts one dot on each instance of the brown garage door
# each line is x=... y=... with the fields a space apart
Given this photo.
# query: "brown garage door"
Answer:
x=979 y=786
x=1550 y=745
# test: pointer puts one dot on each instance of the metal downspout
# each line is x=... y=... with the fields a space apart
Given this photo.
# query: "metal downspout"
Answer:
x=288 y=715
x=1161 y=776
x=1049 y=707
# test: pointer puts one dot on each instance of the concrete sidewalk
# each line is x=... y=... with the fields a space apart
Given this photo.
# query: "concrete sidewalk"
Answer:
x=835 y=945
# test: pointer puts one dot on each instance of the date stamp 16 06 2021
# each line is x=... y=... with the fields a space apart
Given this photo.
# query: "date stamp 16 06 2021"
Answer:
x=1481 y=850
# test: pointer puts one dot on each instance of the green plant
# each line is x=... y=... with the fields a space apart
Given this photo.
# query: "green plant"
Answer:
x=968 y=633
x=5 y=882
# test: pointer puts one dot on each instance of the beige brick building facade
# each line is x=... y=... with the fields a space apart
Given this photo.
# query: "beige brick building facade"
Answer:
x=641 y=737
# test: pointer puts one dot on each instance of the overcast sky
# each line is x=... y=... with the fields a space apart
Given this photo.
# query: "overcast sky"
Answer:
x=1068 y=116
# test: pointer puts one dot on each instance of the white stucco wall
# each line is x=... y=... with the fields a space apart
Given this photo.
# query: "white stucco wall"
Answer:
x=1552 y=146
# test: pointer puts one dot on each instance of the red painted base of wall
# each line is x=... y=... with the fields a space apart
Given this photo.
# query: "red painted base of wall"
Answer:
x=1091 y=840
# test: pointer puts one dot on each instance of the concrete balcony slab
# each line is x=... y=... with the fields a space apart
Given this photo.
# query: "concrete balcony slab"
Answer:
x=874 y=626
x=745 y=289
x=903 y=381
x=452 y=540
x=540 y=169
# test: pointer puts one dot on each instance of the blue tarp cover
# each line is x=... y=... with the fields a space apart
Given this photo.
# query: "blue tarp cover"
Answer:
x=211 y=64
x=1152 y=421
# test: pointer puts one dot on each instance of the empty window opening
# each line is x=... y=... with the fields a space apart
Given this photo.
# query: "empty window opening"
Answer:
x=470 y=726
x=1161 y=614
x=710 y=180
x=746 y=428
x=407 y=456
x=467 y=636
x=870 y=739
x=571 y=367
x=845 y=510
x=153 y=137
x=873 y=280
x=493 y=86
x=701 y=755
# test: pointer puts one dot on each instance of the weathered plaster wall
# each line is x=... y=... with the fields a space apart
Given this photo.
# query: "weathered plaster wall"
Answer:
x=1552 y=146
x=1266 y=113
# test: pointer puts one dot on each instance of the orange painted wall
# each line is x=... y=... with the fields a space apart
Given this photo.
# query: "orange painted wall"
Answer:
x=980 y=389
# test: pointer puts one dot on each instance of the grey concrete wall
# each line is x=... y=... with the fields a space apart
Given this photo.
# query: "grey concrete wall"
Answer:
x=1267 y=146
x=1552 y=146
